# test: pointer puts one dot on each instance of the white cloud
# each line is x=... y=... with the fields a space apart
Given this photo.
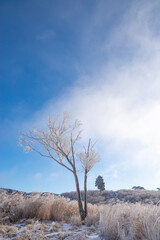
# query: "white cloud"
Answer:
x=45 y=178
x=46 y=35
x=38 y=176
x=120 y=104
x=52 y=177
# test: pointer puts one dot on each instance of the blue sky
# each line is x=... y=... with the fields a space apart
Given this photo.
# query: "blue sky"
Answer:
x=100 y=61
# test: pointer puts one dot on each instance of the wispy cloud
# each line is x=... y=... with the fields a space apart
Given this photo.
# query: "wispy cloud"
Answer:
x=46 y=35
x=38 y=176
x=46 y=178
x=120 y=103
x=52 y=177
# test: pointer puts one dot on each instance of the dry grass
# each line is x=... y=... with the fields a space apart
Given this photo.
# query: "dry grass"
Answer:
x=128 y=221
x=94 y=212
x=6 y=229
x=55 y=209
x=121 y=221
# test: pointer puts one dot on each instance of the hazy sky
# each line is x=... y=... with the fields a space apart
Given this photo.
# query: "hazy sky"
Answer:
x=99 y=60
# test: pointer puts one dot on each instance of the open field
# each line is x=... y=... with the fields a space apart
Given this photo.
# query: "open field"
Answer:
x=49 y=216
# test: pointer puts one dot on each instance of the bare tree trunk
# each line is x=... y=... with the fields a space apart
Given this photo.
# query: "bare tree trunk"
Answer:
x=85 y=194
x=80 y=206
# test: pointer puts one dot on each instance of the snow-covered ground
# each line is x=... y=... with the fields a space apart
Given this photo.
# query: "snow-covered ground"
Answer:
x=30 y=229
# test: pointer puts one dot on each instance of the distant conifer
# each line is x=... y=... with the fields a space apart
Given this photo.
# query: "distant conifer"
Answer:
x=99 y=183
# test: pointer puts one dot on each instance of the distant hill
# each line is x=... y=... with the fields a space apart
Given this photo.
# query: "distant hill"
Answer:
x=130 y=196
x=16 y=192
x=97 y=197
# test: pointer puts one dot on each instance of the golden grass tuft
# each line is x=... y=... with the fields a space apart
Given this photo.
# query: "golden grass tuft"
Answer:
x=7 y=229
x=55 y=209
x=130 y=221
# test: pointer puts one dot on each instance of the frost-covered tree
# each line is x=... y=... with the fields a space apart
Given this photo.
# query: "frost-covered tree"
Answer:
x=99 y=183
x=58 y=142
x=88 y=157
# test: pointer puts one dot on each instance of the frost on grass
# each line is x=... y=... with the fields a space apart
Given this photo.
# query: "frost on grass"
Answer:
x=46 y=216
x=40 y=216
x=47 y=230
x=130 y=221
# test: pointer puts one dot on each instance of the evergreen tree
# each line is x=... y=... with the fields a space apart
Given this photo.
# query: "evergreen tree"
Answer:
x=99 y=183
